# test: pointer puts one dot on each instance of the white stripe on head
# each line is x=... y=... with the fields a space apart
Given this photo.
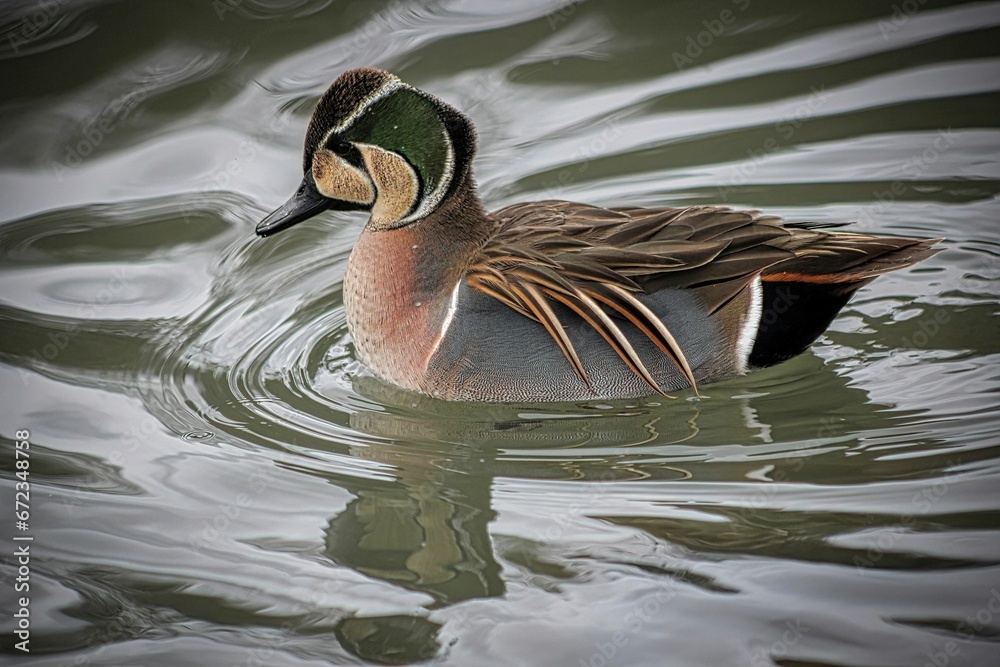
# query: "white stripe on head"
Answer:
x=751 y=323
x=382 y=91
x=430 y=202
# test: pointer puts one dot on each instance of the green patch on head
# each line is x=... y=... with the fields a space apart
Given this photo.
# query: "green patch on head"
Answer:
x=407 y=122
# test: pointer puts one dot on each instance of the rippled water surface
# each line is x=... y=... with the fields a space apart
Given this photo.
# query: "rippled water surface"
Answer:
x=216 y=481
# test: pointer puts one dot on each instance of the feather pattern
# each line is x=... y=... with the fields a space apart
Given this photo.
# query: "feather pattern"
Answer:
x=599 y=262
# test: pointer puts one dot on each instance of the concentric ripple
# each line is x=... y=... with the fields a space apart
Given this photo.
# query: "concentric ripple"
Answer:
x=219 y=481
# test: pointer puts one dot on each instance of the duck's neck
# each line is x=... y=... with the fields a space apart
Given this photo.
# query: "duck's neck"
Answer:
x=400 y=286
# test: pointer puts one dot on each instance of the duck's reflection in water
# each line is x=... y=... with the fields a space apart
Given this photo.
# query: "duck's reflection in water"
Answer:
x=426 y=526
x=423 y=531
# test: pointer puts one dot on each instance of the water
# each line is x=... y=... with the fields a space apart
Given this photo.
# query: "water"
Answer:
x=216 y=481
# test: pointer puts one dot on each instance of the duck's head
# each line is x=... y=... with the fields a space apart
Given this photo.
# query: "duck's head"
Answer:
x=376 y=144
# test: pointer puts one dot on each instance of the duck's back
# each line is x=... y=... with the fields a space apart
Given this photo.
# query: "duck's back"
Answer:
x=734 y=289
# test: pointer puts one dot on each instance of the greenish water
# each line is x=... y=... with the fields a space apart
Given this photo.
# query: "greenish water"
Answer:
x=215 y=480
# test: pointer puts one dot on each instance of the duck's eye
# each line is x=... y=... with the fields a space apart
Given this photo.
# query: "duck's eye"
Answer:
x=343 y=148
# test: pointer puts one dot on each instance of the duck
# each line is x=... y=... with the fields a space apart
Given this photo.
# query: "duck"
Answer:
x=554 y=300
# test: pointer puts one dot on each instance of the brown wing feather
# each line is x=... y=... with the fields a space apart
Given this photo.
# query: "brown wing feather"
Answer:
x=543 y=313
x=591 y=259
x=591 y=313
x=646 y=320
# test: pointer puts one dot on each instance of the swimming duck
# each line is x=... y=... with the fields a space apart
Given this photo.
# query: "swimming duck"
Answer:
x=554 y=300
